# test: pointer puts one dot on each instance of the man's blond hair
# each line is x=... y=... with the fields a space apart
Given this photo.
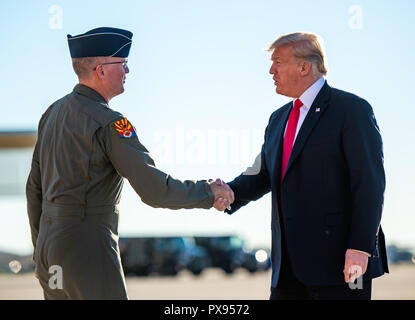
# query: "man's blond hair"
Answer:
x=306 y=46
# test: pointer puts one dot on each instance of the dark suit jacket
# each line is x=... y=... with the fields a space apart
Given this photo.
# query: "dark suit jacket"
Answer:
x=332 y=192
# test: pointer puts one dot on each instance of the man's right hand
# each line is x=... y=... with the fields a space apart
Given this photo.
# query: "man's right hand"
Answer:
x=224 y=196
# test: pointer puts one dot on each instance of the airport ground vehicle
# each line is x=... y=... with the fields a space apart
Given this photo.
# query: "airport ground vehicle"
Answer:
x=399 y=254
x=256 y=260
x=228 y=253
x=161 y=255
x=169 y=255
x=224 y=251
x=136 y=255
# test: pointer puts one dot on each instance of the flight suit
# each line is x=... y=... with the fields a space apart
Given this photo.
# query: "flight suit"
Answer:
x=83 y=151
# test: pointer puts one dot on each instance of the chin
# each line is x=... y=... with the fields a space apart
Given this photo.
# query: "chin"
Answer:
x=118 y=92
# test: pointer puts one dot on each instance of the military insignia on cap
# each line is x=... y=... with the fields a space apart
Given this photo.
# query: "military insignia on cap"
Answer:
x=124 y=129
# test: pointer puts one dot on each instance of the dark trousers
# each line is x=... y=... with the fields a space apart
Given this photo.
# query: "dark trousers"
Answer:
x=289 y=288
x=298 y=291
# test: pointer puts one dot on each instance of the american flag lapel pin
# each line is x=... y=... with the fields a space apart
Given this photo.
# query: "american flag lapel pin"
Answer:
x=318 y=110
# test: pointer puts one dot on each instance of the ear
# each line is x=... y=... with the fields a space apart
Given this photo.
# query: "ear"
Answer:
x=100 y=72
x=305 y=68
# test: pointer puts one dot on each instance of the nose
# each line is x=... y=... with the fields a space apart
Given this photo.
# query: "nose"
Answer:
x=272 y=70
x=126 y=69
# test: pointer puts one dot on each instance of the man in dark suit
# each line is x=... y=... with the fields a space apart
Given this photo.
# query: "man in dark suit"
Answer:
x=322 y=160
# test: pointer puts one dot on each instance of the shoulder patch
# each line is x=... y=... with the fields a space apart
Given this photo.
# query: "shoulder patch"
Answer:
x=124 y=128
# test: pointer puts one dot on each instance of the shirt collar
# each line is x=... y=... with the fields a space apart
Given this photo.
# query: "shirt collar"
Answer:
x=89 y=92
x=308 y=96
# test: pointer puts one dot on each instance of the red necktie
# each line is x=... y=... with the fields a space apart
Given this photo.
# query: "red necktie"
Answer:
x=290 y=135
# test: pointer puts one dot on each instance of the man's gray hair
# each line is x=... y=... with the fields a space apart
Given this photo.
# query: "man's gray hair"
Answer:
x=83 y=67
x=307 y=46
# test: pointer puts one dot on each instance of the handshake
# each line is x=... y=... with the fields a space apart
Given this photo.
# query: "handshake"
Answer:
x=224 y=196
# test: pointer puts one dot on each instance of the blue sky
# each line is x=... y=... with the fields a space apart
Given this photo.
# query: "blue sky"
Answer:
x=198 y=69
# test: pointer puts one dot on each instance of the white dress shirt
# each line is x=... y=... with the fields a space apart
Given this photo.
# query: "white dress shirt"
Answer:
x=307 y=98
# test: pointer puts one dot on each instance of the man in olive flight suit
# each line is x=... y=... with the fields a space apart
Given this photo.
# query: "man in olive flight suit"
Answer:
x=83 y=151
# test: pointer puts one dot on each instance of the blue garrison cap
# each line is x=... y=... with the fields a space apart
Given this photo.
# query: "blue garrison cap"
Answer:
x=101 y=42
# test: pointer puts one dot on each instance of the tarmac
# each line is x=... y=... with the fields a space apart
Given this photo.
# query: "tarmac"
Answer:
x=213 y=284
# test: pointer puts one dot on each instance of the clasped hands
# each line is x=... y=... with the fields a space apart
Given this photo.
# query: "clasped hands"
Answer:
x=224 y=196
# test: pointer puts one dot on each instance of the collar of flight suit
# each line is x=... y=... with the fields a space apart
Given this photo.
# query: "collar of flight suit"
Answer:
x=89 y=92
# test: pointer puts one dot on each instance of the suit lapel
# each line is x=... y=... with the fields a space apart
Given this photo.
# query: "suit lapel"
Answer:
x=310 y=121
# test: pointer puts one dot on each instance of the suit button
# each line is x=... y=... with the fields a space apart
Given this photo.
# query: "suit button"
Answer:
x=327 y=232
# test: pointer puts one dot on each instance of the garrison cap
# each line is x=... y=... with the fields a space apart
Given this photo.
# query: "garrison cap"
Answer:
x=101 y=42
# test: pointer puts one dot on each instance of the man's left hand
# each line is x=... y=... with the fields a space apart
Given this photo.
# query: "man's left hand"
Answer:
x=355 y=265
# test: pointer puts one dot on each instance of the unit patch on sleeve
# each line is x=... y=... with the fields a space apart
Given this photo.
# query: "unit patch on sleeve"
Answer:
x=124 y=128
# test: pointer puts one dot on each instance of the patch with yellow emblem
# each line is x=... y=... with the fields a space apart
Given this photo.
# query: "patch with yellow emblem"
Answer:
x=124 y=128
